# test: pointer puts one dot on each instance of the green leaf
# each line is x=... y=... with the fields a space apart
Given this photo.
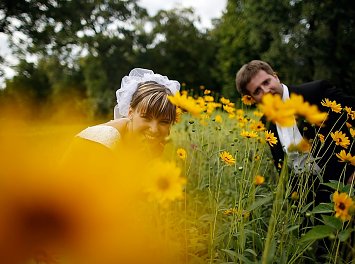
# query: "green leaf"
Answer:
x=344 y=234
x=317 y=232
x=323 y=208
x=290 y=229
x=334 y=185
x=332 y=221
x=259 y=203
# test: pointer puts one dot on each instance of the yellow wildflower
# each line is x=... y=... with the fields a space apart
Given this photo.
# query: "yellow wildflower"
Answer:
x=227 y=158
x=352 y=131
x=208 y=98
x=250 y=134
x=346 y=157
x=258 y=113
x=224 y=101
x=248 y=100
x=181 y=153
x=332 y=105
x=302 y=146
x=257 y=126
x=340 y=139
x=218 y=119
x=259 y=180
x=228 y=109
x=207 y=91
x=186 y=103
x=342 y=203
x=321 y=138
x=270 y=138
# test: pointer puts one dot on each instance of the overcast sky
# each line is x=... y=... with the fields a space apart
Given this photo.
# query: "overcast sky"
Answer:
x=205 y=9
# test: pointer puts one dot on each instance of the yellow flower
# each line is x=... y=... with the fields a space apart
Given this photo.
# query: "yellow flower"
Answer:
x=295 y=196
x=224 y=101
x=208 y=98
x=350 y=112
x=178 y=114
x=259 y=180
x=218 y=119
x=258 y=113
x=165 y=183
x=277 y=111
x=250 y=134
x=207 y=91
x=342 y=203
x=302 y=146
x=340 y=139
x=230 y=211
x=186 y=102
x=270 y=138
x=257 y=126
x=346 y=157
x=321 y=138
x=332 y=105
x=248 y=100
x=227 y=158
x=228 y=109
x=181 y=153
x=352 y=131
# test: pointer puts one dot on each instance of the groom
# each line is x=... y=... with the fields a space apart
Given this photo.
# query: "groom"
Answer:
x=257 y=78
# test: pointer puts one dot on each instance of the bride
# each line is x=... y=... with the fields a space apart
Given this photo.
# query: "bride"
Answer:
x=143 y=112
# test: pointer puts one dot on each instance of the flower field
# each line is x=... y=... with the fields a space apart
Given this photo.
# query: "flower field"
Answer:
x=215 y=196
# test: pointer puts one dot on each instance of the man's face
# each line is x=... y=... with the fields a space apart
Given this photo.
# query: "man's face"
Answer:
x=263 y=83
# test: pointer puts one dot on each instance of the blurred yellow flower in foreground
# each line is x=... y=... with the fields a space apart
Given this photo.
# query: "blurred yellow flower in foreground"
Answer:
x=342 y=204
x=276 y=111
x=218 y=119
x=81 y=210
x=227 y=158
x=164 y=183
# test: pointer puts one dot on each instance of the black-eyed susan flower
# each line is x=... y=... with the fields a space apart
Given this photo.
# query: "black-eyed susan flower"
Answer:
x=270 y=138
x=342 y=204
x=248 y=100
x=346 y=157
x=206 y=91
x=181 y=153
x=229 y=109
x=332 y=105
x=257 y=126
x=227 y=158
x=259 y=180
x=340 y=139
x=249 y=134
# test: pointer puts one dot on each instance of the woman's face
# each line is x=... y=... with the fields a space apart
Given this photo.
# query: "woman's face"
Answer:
x=152 y=130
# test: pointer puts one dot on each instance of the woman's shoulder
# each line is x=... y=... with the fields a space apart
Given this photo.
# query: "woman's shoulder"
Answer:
x=104 y=134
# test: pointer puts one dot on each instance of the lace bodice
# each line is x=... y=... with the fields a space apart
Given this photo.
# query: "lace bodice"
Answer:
x=102 y=134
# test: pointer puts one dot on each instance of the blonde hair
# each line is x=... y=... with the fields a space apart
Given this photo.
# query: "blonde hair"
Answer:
x=151 y=99
x=248 y=71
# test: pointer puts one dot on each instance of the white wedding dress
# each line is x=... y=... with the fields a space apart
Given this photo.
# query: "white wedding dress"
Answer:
x=102 y=134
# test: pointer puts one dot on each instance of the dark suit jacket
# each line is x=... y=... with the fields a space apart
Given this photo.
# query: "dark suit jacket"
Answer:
x=314 y=92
